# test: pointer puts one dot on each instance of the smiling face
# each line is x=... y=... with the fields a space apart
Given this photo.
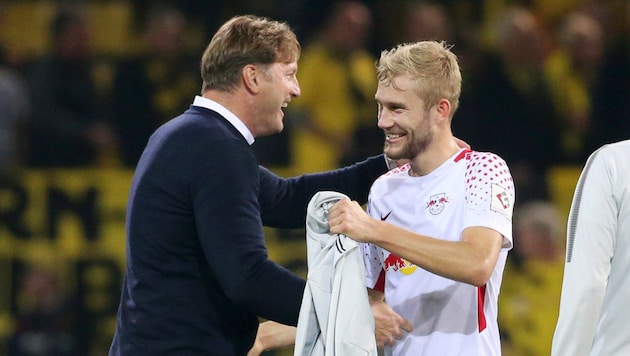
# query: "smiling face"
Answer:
x=409 y=127
x=278 y=86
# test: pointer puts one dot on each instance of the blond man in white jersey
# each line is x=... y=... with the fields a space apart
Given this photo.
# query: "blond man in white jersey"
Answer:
x=439 y=227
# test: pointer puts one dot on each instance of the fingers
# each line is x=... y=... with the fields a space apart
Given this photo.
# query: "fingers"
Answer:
x=404 y=324
x=335 y=214
x=383 y=339
x=388 y=341
x=337 y=207
x=390 y=326
x=389 y=337
x=399 y=331
x=461 y=143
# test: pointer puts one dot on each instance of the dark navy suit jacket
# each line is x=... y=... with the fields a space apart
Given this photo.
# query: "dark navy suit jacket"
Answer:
x=198 y=274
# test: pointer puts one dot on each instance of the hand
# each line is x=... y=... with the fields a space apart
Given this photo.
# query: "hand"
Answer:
x=348 y=218
x=389 y=325
x=460 y=143
x=257 y=349
x=272 y=335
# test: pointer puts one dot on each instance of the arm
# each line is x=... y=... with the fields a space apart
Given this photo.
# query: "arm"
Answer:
x=272 y=335
x=590 y=248
x=231 y=234
x=389 y=325
x=283 y=202
x=470 y=260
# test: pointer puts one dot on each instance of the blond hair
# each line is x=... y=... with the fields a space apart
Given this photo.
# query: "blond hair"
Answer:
x=432 y=66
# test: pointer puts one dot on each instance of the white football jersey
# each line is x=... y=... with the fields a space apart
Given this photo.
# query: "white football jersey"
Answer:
x=449 y=317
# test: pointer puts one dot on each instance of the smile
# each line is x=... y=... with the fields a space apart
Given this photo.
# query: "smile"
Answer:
x=391 y=136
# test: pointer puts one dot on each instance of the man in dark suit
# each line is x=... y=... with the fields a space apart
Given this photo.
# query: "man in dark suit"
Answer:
x=198 y=274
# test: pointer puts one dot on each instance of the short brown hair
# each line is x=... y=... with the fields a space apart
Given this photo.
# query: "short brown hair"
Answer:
x=245 y=40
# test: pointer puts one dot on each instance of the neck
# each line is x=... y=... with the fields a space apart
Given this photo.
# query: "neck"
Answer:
x=433 y=157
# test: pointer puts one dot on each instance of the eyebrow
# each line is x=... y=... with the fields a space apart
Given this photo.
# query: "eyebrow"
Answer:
x=390 y=102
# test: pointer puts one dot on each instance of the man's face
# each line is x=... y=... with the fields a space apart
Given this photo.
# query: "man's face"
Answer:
x=408 y=126
x=279 y=86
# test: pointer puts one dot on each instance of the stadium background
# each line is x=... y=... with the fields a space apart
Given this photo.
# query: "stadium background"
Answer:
x=72 y=220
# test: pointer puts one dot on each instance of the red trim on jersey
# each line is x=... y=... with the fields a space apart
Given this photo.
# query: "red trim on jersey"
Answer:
x=462 y=154
x=481 y=316
x=380 y=282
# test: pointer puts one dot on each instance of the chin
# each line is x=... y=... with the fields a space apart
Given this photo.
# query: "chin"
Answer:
x=275 y=130
x=393 y=154
x=279 y=128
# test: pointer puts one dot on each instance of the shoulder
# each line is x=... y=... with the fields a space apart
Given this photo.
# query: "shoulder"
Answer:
x=620 y=149
x=478 y=162
x=204 y=122
x=199 y=131
x=611 y=160
x=483 y=157
x=486 y=170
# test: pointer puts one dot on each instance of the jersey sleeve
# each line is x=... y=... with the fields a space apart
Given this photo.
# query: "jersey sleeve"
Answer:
x=374 y=272
x=490 y=194
x=590 y=244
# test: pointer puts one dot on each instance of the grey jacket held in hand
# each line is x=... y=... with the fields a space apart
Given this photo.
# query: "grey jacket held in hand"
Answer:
x=335 y=316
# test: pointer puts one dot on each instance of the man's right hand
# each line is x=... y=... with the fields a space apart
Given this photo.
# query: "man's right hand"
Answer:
x=389 y=325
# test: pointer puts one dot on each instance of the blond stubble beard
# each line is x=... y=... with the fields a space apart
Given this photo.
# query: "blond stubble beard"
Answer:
x=416 y=147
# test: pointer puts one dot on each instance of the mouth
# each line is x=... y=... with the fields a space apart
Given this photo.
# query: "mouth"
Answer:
x=284 y=106
x=392 y=137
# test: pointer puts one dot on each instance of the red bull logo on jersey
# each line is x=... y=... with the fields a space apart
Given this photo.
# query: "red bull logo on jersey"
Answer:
x=395 y=263
x=437 y=203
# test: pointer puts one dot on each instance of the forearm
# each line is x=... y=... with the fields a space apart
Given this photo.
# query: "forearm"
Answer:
x=255 y=287
x=283 y=201
x=469 y=260
x=272 y=335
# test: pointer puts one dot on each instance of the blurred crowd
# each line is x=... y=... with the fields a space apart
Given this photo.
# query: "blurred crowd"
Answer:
x=545 y=83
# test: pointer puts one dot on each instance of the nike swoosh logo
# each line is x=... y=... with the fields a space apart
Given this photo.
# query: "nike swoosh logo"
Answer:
x=383 y=218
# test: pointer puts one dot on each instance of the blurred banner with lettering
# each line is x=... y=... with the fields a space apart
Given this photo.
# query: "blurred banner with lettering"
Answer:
x=62 y=255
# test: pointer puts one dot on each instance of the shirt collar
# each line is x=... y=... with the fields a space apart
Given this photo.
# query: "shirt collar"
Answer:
x=227 y=114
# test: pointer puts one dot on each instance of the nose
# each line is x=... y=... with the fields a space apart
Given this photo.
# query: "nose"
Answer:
x=295 y=89
x=384 y=121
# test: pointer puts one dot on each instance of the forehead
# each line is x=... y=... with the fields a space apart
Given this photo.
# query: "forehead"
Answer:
x=284 y=66
x=395 y=89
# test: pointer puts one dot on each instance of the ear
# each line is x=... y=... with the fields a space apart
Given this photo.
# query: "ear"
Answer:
x=444 y=109
x=251 y=77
